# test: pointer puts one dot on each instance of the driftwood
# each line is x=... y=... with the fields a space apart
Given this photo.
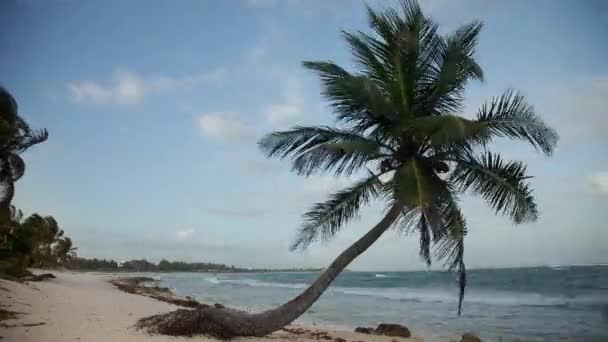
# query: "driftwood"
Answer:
x=136 y=285
x=38 y=277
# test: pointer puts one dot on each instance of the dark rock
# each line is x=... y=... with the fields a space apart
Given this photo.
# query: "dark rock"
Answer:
x=393 y=330
x=470 y=338
x=364 y=330
x=339 y=339
x=219 y=306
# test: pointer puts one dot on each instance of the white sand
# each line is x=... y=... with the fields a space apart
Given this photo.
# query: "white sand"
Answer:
x=84 y=307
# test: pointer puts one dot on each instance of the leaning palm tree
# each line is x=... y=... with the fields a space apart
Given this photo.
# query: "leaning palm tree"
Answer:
x=16 y=136
x=399 y=128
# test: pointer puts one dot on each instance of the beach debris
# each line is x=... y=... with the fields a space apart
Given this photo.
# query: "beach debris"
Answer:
x=20 y=325
x=396 y=330
x=364 y=330
x=296 y=331
x=39 y=277
x=183 y=322
x=468 y=337
x=8 y=314
x=135 y=285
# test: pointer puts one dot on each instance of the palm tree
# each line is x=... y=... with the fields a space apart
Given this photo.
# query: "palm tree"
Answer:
x=63 y=250
x=16 y=136
x=398 y=127
x=46 y=234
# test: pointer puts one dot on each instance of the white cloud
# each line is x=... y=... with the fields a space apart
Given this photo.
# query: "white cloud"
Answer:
x=599 y=181
x=129 y=88
x=88 y=90
x=290 y=107
x=222 y=126
x=183 y=235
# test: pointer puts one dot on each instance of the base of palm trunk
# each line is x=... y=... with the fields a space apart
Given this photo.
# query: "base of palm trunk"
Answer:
x=222 y=323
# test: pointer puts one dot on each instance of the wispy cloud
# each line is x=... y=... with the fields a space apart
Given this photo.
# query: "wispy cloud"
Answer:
x=222 y=126
x=183 y=235
x=290 y=107
x=599 y=181
x=126 y=88
x=130 y=88
x=236 y=213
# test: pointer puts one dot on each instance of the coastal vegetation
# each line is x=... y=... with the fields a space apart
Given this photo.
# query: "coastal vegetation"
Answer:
x=33 y=241
x=400 y=130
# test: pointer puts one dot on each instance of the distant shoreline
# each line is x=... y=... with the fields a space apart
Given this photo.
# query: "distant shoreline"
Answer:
x=143 y=265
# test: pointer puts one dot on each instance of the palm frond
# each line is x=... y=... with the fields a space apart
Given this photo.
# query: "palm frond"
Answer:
x=386 y=25
x=509 y=115
x=419 y=44
x=425 y=239
x=16 y=166
x=316 y=149
x=356 y=100
x=33 y=137
x=407 y=221
x=343 y=157
x=8 y=105
x=446 y=130
x=443 y=87
x=450 y=248
x=502 y=184
x=454 y=227
x=325 y=219
x=367 y=52
x=417 y=185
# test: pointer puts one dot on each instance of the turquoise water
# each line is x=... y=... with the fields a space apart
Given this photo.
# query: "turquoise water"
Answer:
x=524 y=304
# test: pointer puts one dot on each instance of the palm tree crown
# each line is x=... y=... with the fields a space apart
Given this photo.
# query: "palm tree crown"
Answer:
x=398 y=121
x=16 y=136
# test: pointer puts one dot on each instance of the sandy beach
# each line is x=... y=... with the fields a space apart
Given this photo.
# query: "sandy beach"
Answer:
x=85 y=307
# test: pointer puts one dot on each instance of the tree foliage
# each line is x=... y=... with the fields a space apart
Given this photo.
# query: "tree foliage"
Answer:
x=34 y=241
x=399 y=115
x=16 y=136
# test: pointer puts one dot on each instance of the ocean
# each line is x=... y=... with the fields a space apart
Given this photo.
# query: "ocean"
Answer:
x=519 y=304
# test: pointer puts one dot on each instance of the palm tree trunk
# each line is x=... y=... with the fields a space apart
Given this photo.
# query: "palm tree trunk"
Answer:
x=229 y=323
x=275 y=319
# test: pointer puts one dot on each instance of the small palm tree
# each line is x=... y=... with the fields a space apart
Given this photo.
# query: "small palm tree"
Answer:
x=63 y=250
x=16 y=136
x=398 y=126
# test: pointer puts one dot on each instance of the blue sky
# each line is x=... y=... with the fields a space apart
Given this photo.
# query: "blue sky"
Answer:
x=154 y=108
